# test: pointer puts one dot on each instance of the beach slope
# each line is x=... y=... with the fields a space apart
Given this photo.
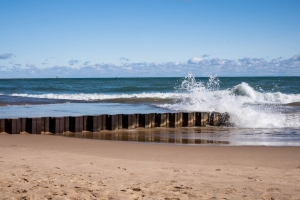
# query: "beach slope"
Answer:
x=56 y=167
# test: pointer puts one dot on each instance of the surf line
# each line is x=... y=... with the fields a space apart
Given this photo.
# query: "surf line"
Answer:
x=98 y=123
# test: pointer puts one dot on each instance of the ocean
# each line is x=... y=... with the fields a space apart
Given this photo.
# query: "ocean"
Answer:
x=259 y=107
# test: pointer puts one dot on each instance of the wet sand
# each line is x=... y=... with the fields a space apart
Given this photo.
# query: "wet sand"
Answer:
x=56 y=167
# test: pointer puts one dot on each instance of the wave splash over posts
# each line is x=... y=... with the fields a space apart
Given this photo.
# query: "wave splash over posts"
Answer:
x=247 y=107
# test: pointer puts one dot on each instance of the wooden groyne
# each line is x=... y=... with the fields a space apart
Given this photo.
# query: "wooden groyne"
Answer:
x=98 y=123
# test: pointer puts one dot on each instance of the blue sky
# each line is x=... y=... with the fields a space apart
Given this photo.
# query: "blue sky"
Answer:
x=129 y=38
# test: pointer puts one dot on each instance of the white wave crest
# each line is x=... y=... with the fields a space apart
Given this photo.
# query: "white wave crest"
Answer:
x=91 y=97
x=247 y=108
x=244 y=89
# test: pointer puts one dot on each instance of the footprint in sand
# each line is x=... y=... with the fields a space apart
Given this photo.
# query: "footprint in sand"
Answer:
x=19 y=191
x=181 y=188
x=273 y=189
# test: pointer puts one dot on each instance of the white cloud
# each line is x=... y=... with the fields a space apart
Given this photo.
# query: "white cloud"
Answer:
x=197 y=66
x=194 y=60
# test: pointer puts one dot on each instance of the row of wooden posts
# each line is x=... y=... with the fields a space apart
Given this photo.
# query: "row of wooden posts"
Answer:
x=99 y=123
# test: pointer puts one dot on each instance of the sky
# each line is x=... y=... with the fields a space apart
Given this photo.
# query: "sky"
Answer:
x=149 y=38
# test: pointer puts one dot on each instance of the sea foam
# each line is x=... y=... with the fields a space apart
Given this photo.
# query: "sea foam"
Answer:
x=247 y=108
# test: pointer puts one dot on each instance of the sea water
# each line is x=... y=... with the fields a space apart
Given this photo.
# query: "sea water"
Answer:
x=258 y=106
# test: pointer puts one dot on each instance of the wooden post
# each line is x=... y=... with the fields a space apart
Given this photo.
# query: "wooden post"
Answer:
x=157 y=118
x=171 y=120
x=42 y=124
x=46 y=124
x=198 y=119
x=2 y=125
x=214 y=119
x=103 y=122
x=178 y=120
x=163 y=120
x=54 y=125
x=132 y=121
x=111 y=122
x=76 y=124
x=120 y=121
x=184 y=119
x=150 y=120
x=92 y=123
x=114 y=122
x=187 y=119
x=204 y=119
x=11 y=126
x=140 y=120
x=191 y=122
x=31 y=125
x=61 y=125
x=38 y=125
x=66 y=124
x=97 y=123
x=85 y=122
x=125 y=121
x=19 y=124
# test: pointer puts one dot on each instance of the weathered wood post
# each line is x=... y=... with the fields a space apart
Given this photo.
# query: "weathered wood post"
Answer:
x=173 y=120
x=97 y=123
x=85 y=122
x=11 y=126
x=111 y=122
x=140 y=118
x=150 y=120
x=157 y=118
x=163 y=120
x=132 y=121
x=66 y=124
x=76 y=124
x=188 y=119
x=214 y=119
x=124 y=121
x=2 y=125
x=53 y=125
x=160 y=119
x=201 y=119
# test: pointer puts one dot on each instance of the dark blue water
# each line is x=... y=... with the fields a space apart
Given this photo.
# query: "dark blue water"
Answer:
x=287 y=85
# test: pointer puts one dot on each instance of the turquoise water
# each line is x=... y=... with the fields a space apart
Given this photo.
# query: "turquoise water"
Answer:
x=286 y=85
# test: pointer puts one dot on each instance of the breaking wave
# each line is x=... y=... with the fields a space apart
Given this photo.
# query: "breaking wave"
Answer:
x=247 y=108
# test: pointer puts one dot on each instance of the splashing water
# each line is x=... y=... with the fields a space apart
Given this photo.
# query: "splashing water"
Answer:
x=247 y=108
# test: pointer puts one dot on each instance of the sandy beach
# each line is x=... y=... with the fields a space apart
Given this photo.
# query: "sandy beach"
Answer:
x=57 y=167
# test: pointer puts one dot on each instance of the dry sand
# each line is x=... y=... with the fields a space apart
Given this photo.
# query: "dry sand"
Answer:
x=56 y=167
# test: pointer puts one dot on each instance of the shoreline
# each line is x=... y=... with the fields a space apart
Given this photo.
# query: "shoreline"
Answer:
x=49 y=166
x=192 y=136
